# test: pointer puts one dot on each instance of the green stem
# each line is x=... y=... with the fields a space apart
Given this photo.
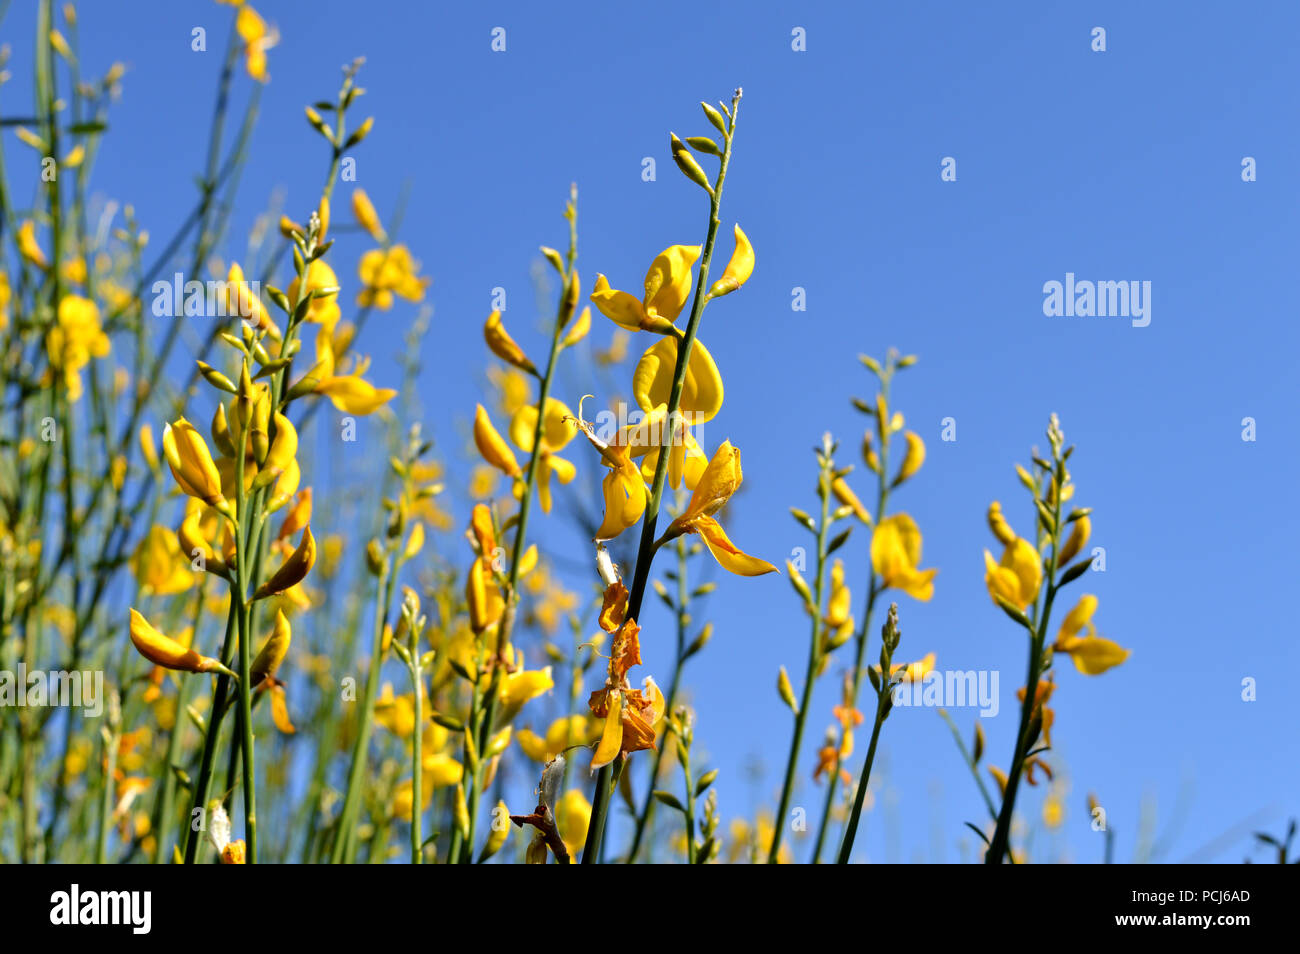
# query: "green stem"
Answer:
x=846 y=847
x=1000 y=846
x=645 y=550
x=343 y=848
x=814 y=662
x=204 y=783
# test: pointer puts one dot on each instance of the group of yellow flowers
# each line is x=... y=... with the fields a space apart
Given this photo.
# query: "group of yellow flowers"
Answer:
x=223 y=587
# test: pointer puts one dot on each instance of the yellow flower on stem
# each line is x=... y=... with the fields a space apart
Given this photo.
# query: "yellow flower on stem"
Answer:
x=1016 y=577
x=483 y=596
x=896 y=557
x=166 y=652
x=503 y=346
x=323 y=310
x=258 y=38
x=556 y=434
x=159 y=566
x=1092 y=654
x=1078 y=539
x=28 y=246
x=521 y=686
x=191 y=463
x=363 y=210
x=492 y=445
x=562 y=733
x=241 y=301
x=702 y=390
x=293 y=570
x=739 y=268
x=74 y=340
x=388 y=272
x=721 y=479
x=623 y=487
x=667 y=289
x=350 y=393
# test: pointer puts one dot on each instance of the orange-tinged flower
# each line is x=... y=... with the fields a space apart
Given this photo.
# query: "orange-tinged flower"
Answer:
x=630 y=714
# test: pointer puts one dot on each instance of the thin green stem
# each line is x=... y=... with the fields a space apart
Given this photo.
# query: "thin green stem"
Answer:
x=810 y=676
x=645 y=550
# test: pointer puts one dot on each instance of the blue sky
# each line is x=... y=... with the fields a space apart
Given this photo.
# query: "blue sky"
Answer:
x=1114 y=166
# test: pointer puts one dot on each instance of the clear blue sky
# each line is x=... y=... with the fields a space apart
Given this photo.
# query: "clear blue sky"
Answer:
x=1117 y=165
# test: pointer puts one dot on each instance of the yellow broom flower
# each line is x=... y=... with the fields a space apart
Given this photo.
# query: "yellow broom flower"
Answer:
x=166 y=652
x=721 y=479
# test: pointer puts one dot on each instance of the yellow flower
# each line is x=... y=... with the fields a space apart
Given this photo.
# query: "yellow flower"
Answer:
x=562 y=733
x=323 y=310
x=721 y=479
x=998 y=524
x=652 y=381
x=241 y=301
x=28 y=247
x=556 y=433
x=896 y=557
x=6 y=293
x=483 y=595
x=492 y=445
x=913 y=457
x=363 y=210
x=1077 y=540
x=839 y=616
x=912 y=672
x=845 y=495
x=384 y=273
x=268 y=660
x=572 y=816
x=739 y=268
x=1092 y=654
x=520 y=687
x=623 y=488
x=667 y=288
x=503 y=346
x=257 y=39
x=166 y=652
x=483 y=481
x=191 y=462
x=350 y=393
x=1014 y=579
x=74 y=340
x=159 y=565
x=293 y=570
